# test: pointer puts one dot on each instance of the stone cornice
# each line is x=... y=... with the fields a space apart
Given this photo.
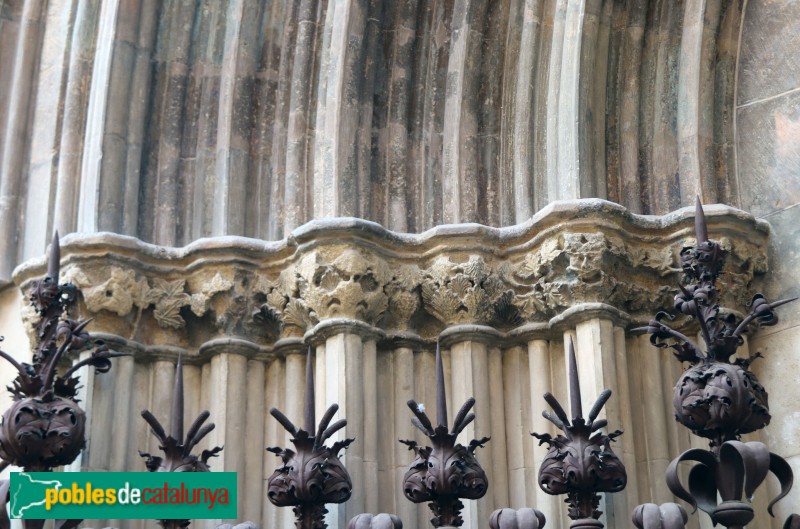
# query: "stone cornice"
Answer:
x=722 y=220
x=571 y=261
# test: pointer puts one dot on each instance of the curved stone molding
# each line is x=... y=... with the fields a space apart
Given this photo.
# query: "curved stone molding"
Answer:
x=573 y=253
x=335 y=326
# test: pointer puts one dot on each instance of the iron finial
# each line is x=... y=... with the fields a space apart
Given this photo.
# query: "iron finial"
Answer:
x=580 y=462
x=432 y=477
x=177 y=449
x=717 y=397
x=312 y=474
x=44 y=427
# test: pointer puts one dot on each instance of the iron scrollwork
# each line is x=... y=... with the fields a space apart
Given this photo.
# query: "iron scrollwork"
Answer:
x=717 y=397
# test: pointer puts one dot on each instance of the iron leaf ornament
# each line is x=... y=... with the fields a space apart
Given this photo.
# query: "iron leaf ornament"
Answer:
x=580 y=463
x=44 y=427
x=312 y=474
x=732 y=474
x=177 y=449
x=446 y=471
x=716 y=397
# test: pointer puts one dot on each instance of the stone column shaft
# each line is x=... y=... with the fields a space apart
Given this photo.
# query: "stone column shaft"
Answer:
x=254 y=442
x=350 y=376
x=651 y=435
x=425 y=391
x=596 y=353
x=469 y=365
x=228 y=408
x=274 y=397
x=404 y=390
x=516 y=392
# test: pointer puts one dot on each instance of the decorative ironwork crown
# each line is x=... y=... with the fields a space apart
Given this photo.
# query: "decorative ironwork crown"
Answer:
x=445 y=472
x=716 y=397
x=313 y=475
x=580 y=463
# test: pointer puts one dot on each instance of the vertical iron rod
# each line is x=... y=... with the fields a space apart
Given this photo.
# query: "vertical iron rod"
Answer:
x=54 y=259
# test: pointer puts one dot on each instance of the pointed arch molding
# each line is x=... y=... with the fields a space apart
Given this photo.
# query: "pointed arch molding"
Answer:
x=526 y=281
x=172 y=122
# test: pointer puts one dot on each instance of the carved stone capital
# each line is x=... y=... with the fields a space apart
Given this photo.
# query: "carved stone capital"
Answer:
x=344 y=282
x=524 y=280
x=469 y=291
x=468 y=332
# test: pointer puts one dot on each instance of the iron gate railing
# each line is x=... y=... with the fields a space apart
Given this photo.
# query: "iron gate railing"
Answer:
x=718 y=397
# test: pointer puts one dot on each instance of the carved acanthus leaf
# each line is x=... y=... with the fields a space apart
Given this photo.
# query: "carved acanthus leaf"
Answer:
x=297 y=314
x=579 y=268
x=120 y=290
x=170 y=297
x=468 y=292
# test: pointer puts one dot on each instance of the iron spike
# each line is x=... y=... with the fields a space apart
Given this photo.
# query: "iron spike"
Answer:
x=574 y=384
x=177 y=402
x=700 y=229
x=441 y=397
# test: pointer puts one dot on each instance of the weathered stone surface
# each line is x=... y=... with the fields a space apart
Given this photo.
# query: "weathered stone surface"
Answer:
x=172 y=122
x=176 y=122
x=573 y=254
x=769 y=64
x=784 y=257
x=767 y=128
x=769 y=154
